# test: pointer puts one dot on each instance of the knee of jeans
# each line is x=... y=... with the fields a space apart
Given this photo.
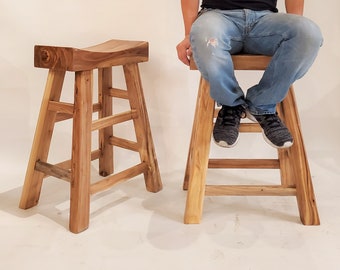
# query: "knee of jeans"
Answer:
x=310 y=33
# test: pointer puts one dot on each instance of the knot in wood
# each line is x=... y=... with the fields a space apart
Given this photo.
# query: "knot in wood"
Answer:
x=45 y=55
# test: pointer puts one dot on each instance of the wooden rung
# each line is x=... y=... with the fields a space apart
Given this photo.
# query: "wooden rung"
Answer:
x=119 y=177
x=67 y=163
x=118 y=93
x=61 y=116
x=123 y=143
x=60 y=170
x=113 y=120
x=249 y=190
x=250 y=127
x=243 y=164
x=60 y=107
x=244 y=127
x=53 y=170
x=96 y=107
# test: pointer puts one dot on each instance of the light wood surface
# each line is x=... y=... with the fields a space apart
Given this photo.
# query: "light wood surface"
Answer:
x=244 y=62
x=295 y=175
x=107 y=54
x=58 y=60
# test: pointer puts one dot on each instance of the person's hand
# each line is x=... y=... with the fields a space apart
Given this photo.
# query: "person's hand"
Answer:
x=184 y=51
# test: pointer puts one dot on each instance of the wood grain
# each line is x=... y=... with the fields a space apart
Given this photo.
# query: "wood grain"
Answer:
x=107 y=54
x=292 y=162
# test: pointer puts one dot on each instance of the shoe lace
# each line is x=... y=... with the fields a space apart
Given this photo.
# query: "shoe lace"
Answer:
x=273 y=121
x=231 y=116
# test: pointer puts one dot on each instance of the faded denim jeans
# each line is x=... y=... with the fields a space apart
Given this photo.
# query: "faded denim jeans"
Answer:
x=293 y=42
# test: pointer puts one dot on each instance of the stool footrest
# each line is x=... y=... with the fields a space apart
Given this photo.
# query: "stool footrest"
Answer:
x=113 y=120
x=243 y=164
x=250 y=127
x=53 y=170
x=119 y=177
x=61 y=173
x=65 y=110
x=66 y=165
x=61 y=107
x=123 y=143
x=249 y=190
x=60 y=170
x=118 y=93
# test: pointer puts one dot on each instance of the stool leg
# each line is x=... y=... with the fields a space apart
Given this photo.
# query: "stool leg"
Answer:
x=142 y=127
x=42 y=140
x=198 y=157
x=298 y=163
x=81 y=152
x=106 y=149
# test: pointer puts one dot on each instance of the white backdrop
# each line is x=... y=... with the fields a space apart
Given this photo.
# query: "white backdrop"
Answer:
x=170 y=88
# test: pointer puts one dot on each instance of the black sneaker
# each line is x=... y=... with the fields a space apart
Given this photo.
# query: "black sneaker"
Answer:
x=274 y=130
x=226 y=128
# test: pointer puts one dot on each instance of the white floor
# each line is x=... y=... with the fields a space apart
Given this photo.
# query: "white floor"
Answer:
x=131 y=228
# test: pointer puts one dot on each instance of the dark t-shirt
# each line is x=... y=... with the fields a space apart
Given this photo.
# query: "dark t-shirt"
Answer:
x=241 y=4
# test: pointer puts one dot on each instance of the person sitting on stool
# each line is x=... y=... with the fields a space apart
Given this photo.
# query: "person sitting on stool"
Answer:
x=222 y=28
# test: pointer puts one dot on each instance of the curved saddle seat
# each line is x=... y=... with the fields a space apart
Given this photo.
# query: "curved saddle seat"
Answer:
x=110 y=53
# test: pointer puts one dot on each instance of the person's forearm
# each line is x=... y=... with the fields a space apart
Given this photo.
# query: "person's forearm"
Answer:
x=189 y=12
x=295 y=6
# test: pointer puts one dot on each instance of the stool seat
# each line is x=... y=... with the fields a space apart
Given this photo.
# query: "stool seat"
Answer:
x=245 y=62
x=110 y=53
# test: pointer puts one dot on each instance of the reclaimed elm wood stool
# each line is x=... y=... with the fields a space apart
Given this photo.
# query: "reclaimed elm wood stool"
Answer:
x=292 y=162
x=77 y=170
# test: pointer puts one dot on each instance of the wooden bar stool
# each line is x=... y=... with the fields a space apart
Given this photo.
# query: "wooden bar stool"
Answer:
x=77 y=170
x=292 y=162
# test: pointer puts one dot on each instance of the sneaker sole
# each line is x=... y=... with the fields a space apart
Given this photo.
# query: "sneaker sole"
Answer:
x=225 y=144
x=285 y=145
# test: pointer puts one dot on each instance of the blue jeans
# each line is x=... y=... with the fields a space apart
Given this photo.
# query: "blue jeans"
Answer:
x=293 y=42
